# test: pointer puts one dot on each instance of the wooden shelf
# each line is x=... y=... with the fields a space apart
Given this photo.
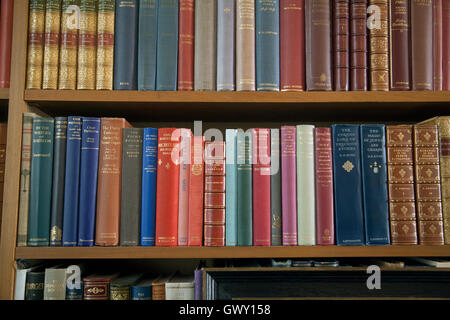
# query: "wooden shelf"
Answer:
x=229 y=252
x=4 y=94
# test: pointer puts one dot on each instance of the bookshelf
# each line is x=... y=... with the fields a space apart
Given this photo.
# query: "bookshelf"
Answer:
x=217 y=107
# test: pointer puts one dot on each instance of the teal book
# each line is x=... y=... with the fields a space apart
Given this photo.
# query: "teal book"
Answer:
x=147 y=36
x=244 y=189
x=230 y=188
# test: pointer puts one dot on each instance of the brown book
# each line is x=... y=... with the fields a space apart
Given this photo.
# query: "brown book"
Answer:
x=51 y=44
x=437 y=45
x=109 y=181
x=105 y=44
x=402 y=206
x=36 y=27
x=159 y=287
x=341 y=45
x=379 y=49
x=428 y=185
x=245 y=46
x=358 y=45
x=97 y=286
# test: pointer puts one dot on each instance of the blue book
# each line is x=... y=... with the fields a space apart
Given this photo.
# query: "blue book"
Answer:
x=225 y=45
x=347 y=185
x=72 y=181
x=167 y=46
x=147 y=35
x=230 y=188
x=148 y=204
x=125 y=45
x=267 y=19
x=374 y=180
x=90 y=146
x=142 y=290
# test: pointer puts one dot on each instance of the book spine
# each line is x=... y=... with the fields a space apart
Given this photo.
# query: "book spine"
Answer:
x=90 y=146
x=68 y=48
x=341 y=45
x=74 y=293
x=324 y=186
x=167 y=46
x=379 y=48
x=244 y=188
x=105 y=44
x=428 y=185
x=306 y=197
x=198 y=284
x=168 y=174
x=358 y=45
x=59 y=167
x=108 y=184
x=141 y=293
x=231 y=187
x=445 y=45
x=120 y=293
x=347 y=185
x=148 y=198
x=130 y=210
x=437 y=45
x=6 y=22
x=125 y=45
x=374 y=179
x=267 y=45
x=292 y=45
x=422 y=44
x=87 y=45
x=51 y=44
x=34 y=287
x=318 y=45
x=41 y=182
x=245 y=45
x=96 y=290
x=36 y=27
x=55 y=284
x=147 y=36
x=183 y=186
x=226 y=16
x=186 y=45
x=399 y=23
x=275 y=187
x=402 y=208
x=289 y=186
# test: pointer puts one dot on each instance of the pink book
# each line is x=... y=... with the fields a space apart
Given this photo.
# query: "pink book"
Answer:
x=183 y=191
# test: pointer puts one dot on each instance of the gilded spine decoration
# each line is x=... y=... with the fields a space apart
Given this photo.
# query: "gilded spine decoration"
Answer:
x=67 y=78
x=36 y=28
x=379 y=48
x=105 y=44
x=87 y=49
x=51 y=44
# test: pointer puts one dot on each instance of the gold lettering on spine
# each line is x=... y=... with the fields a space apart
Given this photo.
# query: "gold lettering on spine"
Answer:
x=36 y=28
x=51 y=44
x=105 y=45
x=69 y=48
x=87 y=49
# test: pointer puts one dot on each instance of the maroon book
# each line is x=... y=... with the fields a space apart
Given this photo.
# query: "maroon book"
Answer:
x=6 y=25
x=446 y=45
x=341 y=15
x=186 y=46
x=358 y=45
x=437 y=45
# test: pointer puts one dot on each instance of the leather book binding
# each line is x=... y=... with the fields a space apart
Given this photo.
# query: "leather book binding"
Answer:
x=437 y=45
x=186 y=45
x=51 y=44
x=36 y=27
x=87 y=45
x=6 y=23
x=105 y=44
x=341 y=38
x=445 y=44
x=226 y=21
x=358 y=45
x=245 y=45
x=379 y=49
x=97 y=286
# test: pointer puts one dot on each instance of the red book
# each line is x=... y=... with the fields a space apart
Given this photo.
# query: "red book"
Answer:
x=261 y=187
x=446 y=44
x=167 y=181
x=437 y=45
x=6 y=25
x=292 y=45
x=186 y=46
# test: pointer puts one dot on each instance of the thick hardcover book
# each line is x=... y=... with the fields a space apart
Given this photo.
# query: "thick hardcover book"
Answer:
x=59 y=173
x=358 y=45
x=108 y=184
x=245 y=45
x=244 y=188
x=231 y=187
x=34 y=286
x=87 y=45
x=422 y=44
x=97 y=286
x=142 y=290
x=402 y=207
x=306 y=197
x=130 y=205
x=36 y=26
x=292 y=45
x=41 y=182
x=226 y=20
x=147 y=36
x=379 y=46
x=183 y=185
x=159 y=288
x=289 y=185
x=6 y=22
x=120 y=288
x=186 y=45
x=446 y=45
x=168 y=175
x=261 y=187
x=55 y=282
x=148 y=198
x=51 y=44
x=167 y=46
x=399 y=47
x=374 y=180
x=125 y=45
x=180 y=287
x=347 y=185
x=428 y=185
x=275 y=187
x=105 y=44
x=318 y=45
x=341 y=36
x=267 y=45
x=324 y=186
x=72 y=181
x=437 y=45
x=90 y=147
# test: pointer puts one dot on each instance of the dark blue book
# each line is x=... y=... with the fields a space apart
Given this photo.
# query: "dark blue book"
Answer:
x=148 y=202
x=90 y=145
x=347 y=185
x=142 y=290
x=126 y=45
x=374 y=180
x=72 y=181
x=167 y=46
x=267 y=45
x=147 y=35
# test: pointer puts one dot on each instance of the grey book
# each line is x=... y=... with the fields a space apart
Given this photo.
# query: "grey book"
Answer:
x=225 y=45
x=245 y=46
x=275 y=187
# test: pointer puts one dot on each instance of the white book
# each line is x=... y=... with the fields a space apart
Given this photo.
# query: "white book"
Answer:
x=180 y=287
x=435 y=262
x=20 y=284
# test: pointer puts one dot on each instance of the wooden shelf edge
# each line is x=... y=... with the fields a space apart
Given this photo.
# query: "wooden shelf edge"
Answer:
x=229 y=252
x=4 y=93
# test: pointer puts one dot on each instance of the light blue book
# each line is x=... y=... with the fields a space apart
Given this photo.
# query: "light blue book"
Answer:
x=225 y=45
x=230 y=188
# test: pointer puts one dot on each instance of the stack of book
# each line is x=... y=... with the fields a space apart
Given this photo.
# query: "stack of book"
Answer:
x=6 y=26
x=245 y=45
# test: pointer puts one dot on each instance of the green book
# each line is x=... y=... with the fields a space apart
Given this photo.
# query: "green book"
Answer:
x=41 y=182
x=120 y=288
x=244 y=188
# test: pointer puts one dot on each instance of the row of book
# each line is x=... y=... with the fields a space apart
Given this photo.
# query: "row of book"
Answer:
x=245 y=45
x=97 y=181
x=6 y=26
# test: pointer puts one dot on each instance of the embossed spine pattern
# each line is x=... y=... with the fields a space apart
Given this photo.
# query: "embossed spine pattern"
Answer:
x=87 y=45
x=105 y=44
x=36 y=27
x=231 y=193
x=68 y=51
x=51 y=44
x=341 y=34
x=245 y=45
x=358 y=45
x=226 y=21
x=379 y=48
